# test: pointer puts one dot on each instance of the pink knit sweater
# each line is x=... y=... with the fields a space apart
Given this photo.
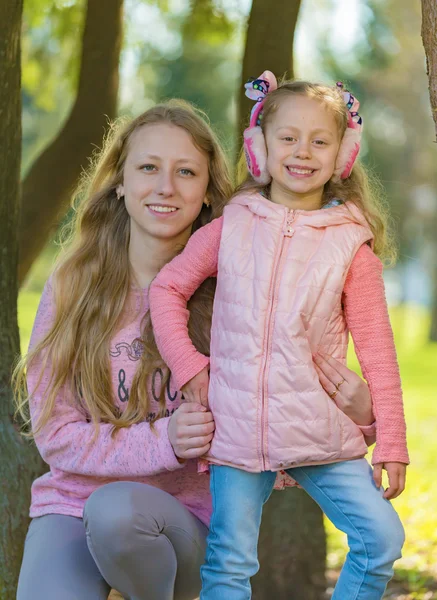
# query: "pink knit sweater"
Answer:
x=80 y=464
x=365 y=311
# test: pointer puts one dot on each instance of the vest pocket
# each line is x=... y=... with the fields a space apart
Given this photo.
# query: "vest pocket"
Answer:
x=335 y=426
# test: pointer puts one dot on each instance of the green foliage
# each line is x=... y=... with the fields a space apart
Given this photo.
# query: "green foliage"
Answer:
x=200 y=63
x=190 y=50
x=51 y=49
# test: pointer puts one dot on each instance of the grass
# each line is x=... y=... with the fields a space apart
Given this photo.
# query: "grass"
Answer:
x=416 y=572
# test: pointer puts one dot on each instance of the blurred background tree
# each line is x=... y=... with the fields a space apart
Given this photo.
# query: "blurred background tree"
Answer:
x=54 y=31
x=384 y=66
x=429 y=37
x=19 y=463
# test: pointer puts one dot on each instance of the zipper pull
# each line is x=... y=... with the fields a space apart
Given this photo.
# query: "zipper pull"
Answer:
x=288 y=230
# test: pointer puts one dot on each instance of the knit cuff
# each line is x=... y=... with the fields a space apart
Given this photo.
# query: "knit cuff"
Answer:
x=390 y=455
x=368 y=430
x=188 y=369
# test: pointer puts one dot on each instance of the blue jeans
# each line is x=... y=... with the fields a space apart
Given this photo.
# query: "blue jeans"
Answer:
x=346 y=493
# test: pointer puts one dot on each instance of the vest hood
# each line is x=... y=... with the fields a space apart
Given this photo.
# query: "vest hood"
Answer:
x=324 y=217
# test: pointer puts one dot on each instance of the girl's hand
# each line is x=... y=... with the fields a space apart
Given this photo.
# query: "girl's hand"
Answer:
x=196 y=390
x=353 y=395
x=396 y=478
x=190 y=430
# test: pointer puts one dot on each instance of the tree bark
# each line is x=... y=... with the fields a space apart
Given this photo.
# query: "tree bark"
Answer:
x=292 y=549
x=52 y=178
x=19 y=462
x=269 y=45
x=429 y=38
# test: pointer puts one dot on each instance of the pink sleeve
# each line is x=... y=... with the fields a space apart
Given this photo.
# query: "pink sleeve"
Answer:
x=168 y=297
x=68 y=440
x=368 y=321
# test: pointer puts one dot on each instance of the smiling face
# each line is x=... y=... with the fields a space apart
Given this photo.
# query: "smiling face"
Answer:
x=302 y=139
x=165 y=179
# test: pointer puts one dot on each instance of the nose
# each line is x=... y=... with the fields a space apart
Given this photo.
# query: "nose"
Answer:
x=165 y=184
x=302 y=150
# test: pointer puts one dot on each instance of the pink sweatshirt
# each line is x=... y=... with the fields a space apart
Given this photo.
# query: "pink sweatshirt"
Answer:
x=79 y=465
x=365 y=311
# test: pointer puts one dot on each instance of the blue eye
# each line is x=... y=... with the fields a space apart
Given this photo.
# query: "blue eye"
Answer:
x=186 y=172
x=148 y=168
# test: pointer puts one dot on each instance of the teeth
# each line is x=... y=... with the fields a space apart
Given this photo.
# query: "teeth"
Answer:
x=300 y=171
x=163 y=209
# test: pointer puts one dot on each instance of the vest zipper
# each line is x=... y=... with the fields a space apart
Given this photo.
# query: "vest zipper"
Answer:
x=287 y=232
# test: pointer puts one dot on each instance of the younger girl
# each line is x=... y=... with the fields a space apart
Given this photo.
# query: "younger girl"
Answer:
x=296 y=266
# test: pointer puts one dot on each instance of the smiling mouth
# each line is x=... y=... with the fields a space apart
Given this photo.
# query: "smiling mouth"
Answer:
x=161 y=209
x=300 y=171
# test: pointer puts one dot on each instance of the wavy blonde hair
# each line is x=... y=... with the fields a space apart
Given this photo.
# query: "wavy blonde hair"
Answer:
x=361 y=187
x=92 y=280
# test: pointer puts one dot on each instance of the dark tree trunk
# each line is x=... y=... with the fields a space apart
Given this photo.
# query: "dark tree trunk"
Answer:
x=19 y=460
x=292 y=549
x=429 y=37
x=269 y=45
x=52 y=178
x=292 y=546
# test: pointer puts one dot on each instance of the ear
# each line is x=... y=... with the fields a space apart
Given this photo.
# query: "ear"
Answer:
x=119 y=190
x=207 y=201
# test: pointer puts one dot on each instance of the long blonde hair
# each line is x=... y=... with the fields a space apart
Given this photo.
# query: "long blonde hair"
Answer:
x=361 y=188
x=93 y=277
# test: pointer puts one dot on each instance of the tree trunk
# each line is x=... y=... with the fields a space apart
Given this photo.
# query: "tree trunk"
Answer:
x=429 y=37
x=292 y=549
x=52 y=178
x=19 y=461
x=269 y=45
x=292 y=546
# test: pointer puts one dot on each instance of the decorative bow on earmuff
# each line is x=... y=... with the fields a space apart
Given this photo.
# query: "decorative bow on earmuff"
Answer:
x=354 y=121
x=254 y=142
x=351 y=142
x=257 y=89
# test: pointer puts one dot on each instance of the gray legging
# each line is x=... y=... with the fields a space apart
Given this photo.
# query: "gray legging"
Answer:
x=137 y=539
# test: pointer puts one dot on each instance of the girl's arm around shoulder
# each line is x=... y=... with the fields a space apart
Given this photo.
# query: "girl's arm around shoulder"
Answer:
x=367 y=317
x=169 y=293
x=68 y=441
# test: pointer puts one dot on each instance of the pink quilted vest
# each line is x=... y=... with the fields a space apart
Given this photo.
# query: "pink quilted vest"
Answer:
x=278 y=301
